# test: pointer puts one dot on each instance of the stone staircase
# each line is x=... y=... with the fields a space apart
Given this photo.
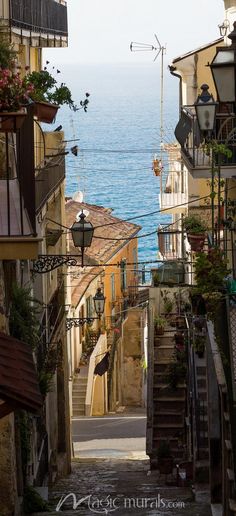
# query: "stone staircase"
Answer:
x=79 y=395
x=168 y=403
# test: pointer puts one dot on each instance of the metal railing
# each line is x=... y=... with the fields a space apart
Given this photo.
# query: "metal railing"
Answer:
x=192 y=144
x=46 y=16
x=48 y=179
x=17 y=181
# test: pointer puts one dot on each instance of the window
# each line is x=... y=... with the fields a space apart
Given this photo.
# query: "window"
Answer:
x=89 y=306
x=113 y=287
x=123 y=277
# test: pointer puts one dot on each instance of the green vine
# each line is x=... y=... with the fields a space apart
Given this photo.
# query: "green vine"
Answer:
x=23 y=320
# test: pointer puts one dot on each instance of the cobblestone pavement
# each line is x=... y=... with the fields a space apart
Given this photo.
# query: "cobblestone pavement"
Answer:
x=122 y=487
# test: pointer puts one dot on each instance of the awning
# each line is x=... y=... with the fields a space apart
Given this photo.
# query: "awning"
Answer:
x=19 y=388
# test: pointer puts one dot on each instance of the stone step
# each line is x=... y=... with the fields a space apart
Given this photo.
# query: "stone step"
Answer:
x=163 y=390
x=178 y=404
x=201 y=383
x=164 y=418
x=201 y=370
x=164 y=353
x=80 y=379
x=79 y=388
x=78 y=406
x=77 y=412
x=79 y=396
x=161 y=367
x=169 y=432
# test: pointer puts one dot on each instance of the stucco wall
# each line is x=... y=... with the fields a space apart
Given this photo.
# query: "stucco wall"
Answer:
x=132 y=373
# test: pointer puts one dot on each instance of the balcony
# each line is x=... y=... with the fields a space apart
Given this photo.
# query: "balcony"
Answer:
x=17 y=208
x=193 y=151
x=45 y=20
x=175 y=202
x=170 y=242
x=48 y=179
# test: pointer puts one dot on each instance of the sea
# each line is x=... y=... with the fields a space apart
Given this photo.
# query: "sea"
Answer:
x=117 y=140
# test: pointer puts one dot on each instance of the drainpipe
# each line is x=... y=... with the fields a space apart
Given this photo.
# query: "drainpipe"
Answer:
x=173 y=72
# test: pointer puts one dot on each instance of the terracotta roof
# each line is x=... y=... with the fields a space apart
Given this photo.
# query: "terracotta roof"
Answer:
x=18 y=378
x=101 y=251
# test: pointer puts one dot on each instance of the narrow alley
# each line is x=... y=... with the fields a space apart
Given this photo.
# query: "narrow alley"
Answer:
x=122 y=487
x=111 y=473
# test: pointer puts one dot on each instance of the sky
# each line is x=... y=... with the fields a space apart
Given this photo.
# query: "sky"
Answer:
x=100 y=31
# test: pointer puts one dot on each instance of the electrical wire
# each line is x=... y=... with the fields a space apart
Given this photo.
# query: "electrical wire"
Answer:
x=143 y=215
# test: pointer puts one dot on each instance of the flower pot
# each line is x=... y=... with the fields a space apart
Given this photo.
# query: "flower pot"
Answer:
x=11 y=121
x=159 y=330
x=45 y=112
x=196 y=241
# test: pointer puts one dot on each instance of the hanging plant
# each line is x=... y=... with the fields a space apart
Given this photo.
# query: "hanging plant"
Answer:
x=46 y=89
x=23 y=319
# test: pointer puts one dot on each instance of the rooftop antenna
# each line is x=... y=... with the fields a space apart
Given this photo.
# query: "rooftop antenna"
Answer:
x=159 y=49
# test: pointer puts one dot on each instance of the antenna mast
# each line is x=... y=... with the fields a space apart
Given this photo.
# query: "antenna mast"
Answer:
x=145 y=47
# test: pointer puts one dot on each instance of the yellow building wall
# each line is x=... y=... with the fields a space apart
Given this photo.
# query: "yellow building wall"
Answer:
x=203 y=72
x=126 y=253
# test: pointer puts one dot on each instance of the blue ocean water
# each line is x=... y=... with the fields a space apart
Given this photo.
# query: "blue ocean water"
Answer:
x=118 y=137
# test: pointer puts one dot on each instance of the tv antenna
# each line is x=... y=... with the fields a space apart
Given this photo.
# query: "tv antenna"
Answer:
x=159 y=49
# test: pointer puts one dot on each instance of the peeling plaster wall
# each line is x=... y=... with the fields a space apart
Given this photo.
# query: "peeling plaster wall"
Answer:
x=132 y=372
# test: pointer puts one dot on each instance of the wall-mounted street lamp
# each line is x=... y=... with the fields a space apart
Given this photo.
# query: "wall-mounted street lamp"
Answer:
x=205 y=107
x=99 y=306
x=224 y=27
x=82 y=235
x=223 y=68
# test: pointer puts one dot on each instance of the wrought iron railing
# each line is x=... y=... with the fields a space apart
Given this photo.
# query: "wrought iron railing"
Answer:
x=46 y=16
x=17 y=181
x=192 y=144
x=48 y=179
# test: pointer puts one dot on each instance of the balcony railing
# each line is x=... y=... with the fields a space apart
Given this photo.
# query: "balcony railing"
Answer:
x=17 y=182
x=194 y=152
x=48 y=179
x=44 y=16
x=169 y=242
x=175 y=202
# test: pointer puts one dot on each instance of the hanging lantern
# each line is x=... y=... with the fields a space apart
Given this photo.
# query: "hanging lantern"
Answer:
x=99 y=302
x=82 y=234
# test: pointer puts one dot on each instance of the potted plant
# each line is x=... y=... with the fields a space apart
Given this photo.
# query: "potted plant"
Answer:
x=48 y=96
x=196 y=231
x=168 y=306
x=159 y=325
x=165 y=459
x=177 y=369
x=179 y=340
x=14 y=94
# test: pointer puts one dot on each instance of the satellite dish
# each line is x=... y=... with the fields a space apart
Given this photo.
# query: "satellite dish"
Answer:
x=78 y=197
x=85 y=212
